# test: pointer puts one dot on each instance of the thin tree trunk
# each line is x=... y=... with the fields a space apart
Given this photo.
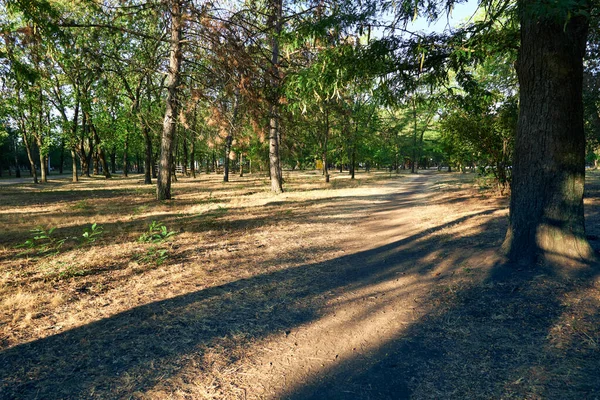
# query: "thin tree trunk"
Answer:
x=43 y=161
x=241 y=164
x=74 y=178
x=546 y=207
x=95 y=163
x=192 y=158
x=275 y=172
x=228 y=141
x=163 y=187
x=99 y=151
x=147 y=156
x=193 y=139
x=27 y=144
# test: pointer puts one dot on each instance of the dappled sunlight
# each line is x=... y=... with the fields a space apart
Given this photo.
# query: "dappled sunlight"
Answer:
x=297 y=297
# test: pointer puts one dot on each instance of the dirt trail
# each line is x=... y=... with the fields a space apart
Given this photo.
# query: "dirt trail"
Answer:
x=403 y=240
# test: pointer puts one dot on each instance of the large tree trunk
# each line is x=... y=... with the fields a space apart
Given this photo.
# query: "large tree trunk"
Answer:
x=546 y=206
x=274 y=140
x=163 y=187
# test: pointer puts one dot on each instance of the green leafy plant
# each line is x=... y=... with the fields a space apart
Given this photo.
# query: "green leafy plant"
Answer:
x=154 y=255
x=42 y=242
x=91 y=234
x=157 y=233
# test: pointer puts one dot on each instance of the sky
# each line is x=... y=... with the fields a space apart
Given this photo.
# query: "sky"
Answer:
x=460 y=14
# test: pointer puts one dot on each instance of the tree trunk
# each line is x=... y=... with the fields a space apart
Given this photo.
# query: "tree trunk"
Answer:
x=546 y=207
x=275 y=173
x=147 y=156
x=74 y=178
x=193 y=158
x=99 y=150
x=241 y=164
x=325 y=144
x=43 y=176
x=163 y=187
x=27 y=144
x=184 y=163
x=228 y=141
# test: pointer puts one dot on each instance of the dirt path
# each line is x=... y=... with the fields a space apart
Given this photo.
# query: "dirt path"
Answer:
x=395 y=254
x=388 y=291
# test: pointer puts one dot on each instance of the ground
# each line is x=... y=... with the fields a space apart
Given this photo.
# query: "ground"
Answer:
x=387 y=287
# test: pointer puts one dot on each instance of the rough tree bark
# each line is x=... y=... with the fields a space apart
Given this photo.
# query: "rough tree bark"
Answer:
x=163 y=182
x=274 y=157
x=546 y=206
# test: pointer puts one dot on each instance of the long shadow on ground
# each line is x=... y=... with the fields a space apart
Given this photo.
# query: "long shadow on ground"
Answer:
x=507 y=338
x=487 y=341
x=134 y=349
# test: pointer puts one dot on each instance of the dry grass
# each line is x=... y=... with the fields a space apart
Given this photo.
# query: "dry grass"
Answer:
x=383 y=287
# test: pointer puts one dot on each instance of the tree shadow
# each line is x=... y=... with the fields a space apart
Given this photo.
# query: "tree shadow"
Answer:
x=504 y=336
x=509 y=337
x=136 y=349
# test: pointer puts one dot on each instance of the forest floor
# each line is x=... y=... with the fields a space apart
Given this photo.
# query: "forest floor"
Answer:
x=385 y=287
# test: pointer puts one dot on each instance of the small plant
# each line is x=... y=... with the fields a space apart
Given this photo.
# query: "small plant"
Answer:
x=70 y=271
x=154 y=255
x=82 y=205
x=157 y=233
x=42 y=242
x=91 y=234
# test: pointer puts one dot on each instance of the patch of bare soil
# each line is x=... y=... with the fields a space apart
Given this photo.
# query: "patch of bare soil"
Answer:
x=384 y=287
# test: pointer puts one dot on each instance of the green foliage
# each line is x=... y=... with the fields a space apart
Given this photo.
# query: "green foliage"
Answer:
x=92 y=233
x=42 y=242
x=157 y=233
x=154 y=255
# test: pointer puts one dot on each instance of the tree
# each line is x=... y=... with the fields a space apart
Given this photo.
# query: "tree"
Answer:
x=163 y=182
x=546 y=206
